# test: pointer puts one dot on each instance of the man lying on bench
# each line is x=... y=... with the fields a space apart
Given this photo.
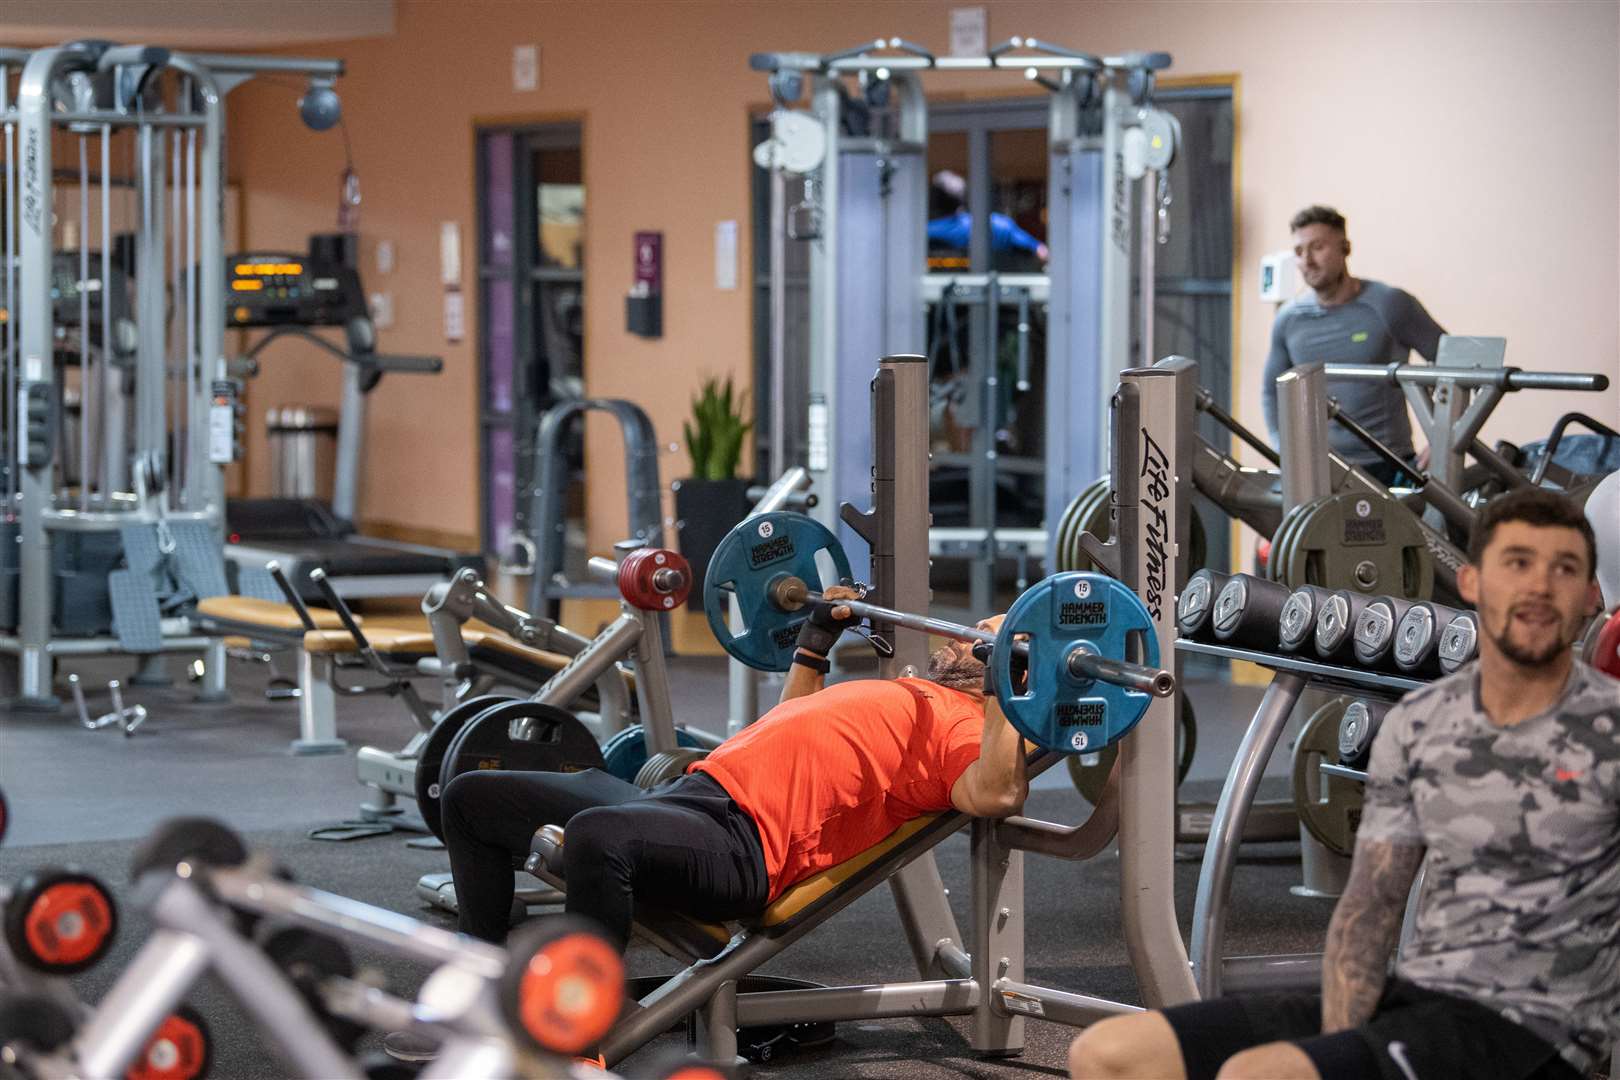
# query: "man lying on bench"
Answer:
x=823 y=776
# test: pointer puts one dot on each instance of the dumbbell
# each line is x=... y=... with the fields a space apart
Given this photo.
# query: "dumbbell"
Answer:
x=310 y=958
x=563 y=986
x=1195 y=607
x=1418 y=636
x=1247 y=612
x=1375 y=630
x=60 y=921
x=1336 y=625
x=180 y=1049
x=1297 y=622
x=1459 y=643
x=1357 y=729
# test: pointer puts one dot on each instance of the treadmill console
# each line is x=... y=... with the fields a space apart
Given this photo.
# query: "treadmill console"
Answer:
x=268 y=288
x=69 y=291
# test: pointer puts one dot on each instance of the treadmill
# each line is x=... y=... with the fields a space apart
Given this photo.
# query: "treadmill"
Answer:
x=290 y=296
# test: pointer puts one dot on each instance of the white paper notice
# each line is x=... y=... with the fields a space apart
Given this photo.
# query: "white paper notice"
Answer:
x=525 y=67
x=449 y=253
x=725 y=255
x=455 y=316
x=969 y=34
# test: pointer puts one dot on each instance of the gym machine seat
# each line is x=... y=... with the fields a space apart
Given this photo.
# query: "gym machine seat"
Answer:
x=704 y=940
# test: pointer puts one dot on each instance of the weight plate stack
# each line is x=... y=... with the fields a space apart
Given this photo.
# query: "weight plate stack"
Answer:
x=1297 y=623
x=625 y=753
x=667 y=766
x=1375 y=631
x=1195 y=607
x=1329 y=806
x=1089 y=512
x=555 y=741
x=1248 y=612
x=430 y=758
x=1357 y=541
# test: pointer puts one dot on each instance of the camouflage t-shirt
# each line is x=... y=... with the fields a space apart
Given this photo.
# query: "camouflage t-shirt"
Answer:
x=1521 y=906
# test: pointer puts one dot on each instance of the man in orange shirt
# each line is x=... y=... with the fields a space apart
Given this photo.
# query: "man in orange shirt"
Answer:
x=821 y=777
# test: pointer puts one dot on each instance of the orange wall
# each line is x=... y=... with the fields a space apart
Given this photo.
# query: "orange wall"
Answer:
x=1473 y=147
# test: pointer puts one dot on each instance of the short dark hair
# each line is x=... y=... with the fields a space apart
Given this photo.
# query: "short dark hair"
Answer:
x=1317 y=215
x=1533 y=506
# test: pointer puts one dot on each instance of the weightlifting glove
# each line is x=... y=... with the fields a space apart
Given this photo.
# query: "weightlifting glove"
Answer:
x=821 y=632
x=982 y=651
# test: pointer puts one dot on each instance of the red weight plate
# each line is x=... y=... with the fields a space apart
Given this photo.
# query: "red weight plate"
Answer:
x=68 y=923
x=178 y=1050
x=570 y=992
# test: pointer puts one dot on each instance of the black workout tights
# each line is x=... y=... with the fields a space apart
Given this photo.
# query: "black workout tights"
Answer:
x=686 y=847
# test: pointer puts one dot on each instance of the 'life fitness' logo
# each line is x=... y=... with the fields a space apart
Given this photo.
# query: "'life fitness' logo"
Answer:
x=765 y=530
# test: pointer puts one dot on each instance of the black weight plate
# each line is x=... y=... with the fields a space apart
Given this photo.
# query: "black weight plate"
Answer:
x=1329 y=806
x=1090 y=780
x=309 y=958
x=430 y=759
x=36 y=1019
x=1277 y=560
x=1364 y=542
x=561 y=744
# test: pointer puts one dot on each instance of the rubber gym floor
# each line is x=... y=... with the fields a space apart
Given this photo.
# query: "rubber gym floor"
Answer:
x=86 y=797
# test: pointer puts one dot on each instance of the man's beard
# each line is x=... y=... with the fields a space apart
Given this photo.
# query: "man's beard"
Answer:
x=1525 y=656
x=955 y=674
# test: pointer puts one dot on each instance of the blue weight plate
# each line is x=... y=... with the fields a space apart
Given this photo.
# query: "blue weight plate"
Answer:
x=750 y=558
x=625 y=753
x=1065 y=612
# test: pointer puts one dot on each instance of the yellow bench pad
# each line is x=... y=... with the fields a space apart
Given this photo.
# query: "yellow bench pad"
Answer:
x=250 y=610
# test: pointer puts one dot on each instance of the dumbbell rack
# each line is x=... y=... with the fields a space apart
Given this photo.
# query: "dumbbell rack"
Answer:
x=1214 y=972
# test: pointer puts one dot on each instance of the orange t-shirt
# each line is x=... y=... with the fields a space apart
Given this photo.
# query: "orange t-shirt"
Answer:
x=827 y=775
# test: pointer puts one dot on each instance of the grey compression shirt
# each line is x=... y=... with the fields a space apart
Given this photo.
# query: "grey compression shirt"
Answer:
x=1381 y=325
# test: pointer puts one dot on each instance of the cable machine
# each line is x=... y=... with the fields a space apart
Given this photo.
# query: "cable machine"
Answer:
x=109 y=545
x=864 y=215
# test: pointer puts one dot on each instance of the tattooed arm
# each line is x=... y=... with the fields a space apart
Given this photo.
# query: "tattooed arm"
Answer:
x=1364 y=930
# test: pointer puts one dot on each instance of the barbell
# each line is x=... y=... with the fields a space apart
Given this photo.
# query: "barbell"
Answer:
x=1070 y=632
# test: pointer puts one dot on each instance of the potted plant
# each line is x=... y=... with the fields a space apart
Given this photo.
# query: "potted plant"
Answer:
x=710 y=502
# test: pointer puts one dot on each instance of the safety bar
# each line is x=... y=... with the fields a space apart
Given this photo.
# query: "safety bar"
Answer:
x=788 y=492
x=232 y=64
x=1205 y=402
x=1506 y=378
x=858 y=58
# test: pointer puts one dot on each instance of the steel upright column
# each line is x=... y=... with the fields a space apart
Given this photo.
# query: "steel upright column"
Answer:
x=1302 y=429
x=33 y=277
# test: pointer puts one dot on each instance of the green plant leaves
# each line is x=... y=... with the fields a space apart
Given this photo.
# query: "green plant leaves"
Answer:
x=715 y=433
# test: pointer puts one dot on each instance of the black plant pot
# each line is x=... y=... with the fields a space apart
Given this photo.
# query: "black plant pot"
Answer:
x=705 y=511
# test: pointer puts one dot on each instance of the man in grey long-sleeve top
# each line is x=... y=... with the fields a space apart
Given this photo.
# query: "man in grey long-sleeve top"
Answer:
x=1348 y=320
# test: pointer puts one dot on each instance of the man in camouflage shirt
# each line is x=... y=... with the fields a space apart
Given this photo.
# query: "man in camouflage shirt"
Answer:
x=1505 y=776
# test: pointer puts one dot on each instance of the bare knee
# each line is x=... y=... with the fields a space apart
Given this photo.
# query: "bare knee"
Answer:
x=1273 y=1061
x=1127 y=1047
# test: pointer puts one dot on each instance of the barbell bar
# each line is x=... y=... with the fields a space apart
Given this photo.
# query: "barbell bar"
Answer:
x=790 y=594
